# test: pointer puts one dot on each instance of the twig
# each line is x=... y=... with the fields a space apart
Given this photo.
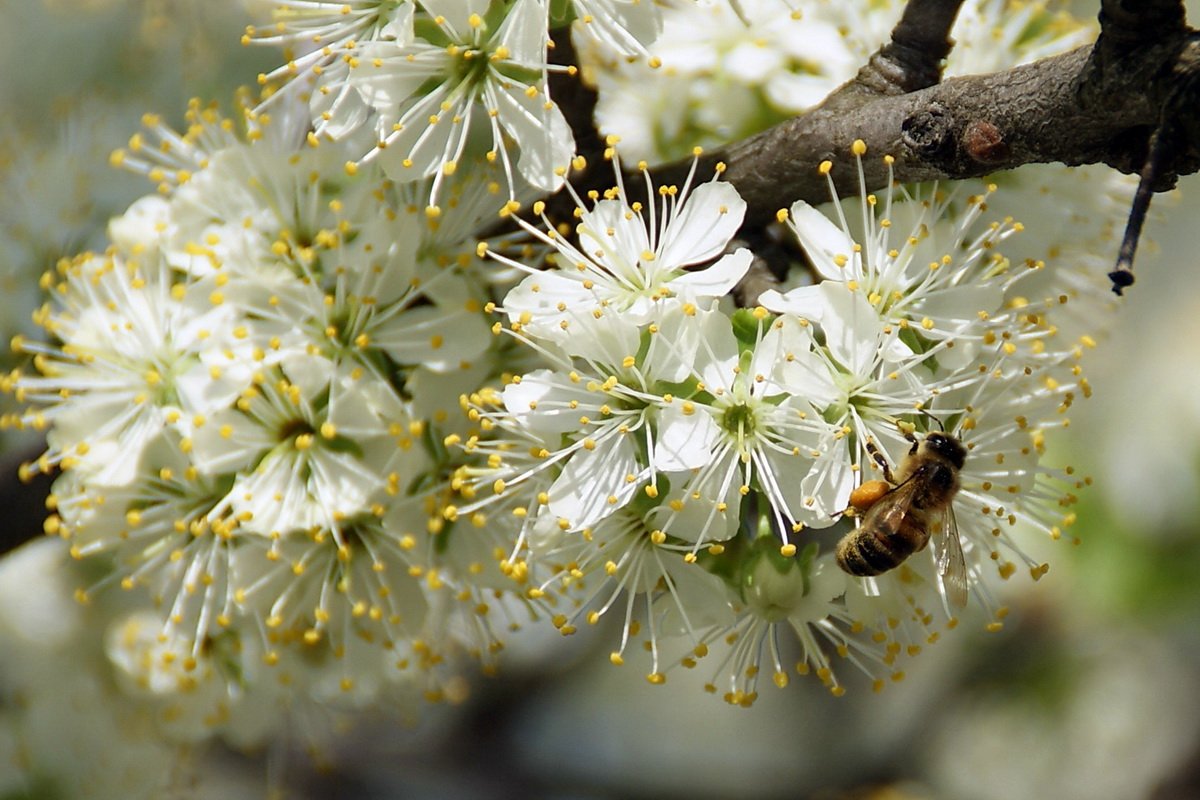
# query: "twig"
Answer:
x=915 y=56
x=1122 y=274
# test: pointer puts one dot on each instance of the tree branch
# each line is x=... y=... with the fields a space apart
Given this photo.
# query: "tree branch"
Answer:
x=1097 y=104
x=962 y=128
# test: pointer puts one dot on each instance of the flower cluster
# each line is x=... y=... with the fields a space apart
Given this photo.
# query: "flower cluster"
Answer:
x=425 y=86
x=244 y=393
x=668 y=438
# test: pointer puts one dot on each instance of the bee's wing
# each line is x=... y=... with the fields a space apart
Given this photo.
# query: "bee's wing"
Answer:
x=951 y=565
x=890 y=510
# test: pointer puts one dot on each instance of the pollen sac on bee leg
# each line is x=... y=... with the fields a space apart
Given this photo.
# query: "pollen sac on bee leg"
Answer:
x=868 y=493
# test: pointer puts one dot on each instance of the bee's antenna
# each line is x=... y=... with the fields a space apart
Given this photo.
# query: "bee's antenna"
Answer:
x=940 y=424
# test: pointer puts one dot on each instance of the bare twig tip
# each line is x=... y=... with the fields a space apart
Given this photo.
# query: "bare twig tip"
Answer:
x=1122 y=278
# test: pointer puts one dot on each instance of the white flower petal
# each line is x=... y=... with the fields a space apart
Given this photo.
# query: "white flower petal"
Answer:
x=275 y=500
x=523 y=33
x=823 y=241
x=550 y=299
x=391 y=73
x=703 y=225
x=699 y=500
x=228 y=441
x=672 y=354
x=717 y=359
x=596 y=482
x=542 y=404
x=805 y=302
x=340 y=483
x=699 y=594
x=785 y=342
x=626 y=26
x=421 y=148
x=435 y=337
x=608 y=340
x=852 y=327
x=540 y=131
x=614 y=237
x=961 y=304
x=714 y=281
x=685 y=441
x=829 y=482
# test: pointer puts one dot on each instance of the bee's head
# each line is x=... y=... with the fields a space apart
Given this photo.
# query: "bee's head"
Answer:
x=948 y=447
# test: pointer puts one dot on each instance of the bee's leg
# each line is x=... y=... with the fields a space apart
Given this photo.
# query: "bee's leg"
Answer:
x=880 y=459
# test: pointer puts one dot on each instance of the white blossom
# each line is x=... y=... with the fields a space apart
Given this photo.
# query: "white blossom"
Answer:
x=632 y=260
x=466 y=75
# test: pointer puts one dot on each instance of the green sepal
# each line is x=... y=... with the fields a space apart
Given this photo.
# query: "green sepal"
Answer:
x=747 y=327
x=562 y=14
x=919 y=344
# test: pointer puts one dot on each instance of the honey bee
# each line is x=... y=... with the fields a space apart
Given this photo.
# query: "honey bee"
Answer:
x=902 y=514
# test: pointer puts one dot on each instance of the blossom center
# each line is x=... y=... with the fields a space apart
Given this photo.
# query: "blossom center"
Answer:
x=294 y=429
x=470 y=66
x=740 y=420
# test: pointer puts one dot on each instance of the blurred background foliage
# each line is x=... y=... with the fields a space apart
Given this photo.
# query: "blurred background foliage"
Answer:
x=1091 y=690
